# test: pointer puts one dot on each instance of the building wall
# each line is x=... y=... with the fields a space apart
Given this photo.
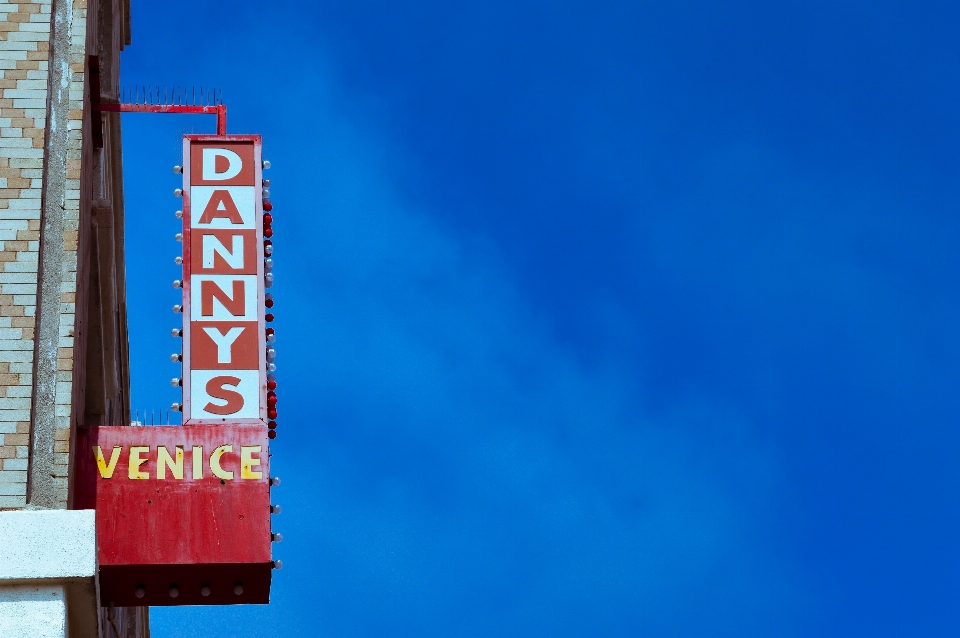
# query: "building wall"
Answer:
x=63 y=326
x=63 y=347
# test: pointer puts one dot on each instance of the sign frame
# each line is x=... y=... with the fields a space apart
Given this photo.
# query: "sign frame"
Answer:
x=187 y=369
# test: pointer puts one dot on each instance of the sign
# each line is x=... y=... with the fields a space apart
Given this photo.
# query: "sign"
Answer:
x=182 y=509
x=183 y=512
x=225 y=347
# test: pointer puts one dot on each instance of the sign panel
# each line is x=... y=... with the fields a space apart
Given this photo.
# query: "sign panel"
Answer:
x=183 y=513
x=224 y=334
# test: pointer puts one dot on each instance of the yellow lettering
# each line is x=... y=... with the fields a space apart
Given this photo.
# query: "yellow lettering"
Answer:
x=106 y=470
x=248 y=461
x=164 y=460
x=218 y=471
x=133 y=471
x=197 y=456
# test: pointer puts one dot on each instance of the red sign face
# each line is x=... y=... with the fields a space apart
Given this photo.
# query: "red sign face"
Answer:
x=224 y=338
x=184 y=507
x=183 y=512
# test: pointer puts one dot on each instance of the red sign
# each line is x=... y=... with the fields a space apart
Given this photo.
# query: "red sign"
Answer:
x=224 y=333
x=183 y=513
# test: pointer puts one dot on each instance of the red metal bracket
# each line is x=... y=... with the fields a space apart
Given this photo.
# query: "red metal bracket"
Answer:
x=220 y=110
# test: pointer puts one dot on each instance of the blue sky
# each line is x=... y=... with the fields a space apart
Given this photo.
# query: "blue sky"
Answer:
x=595 y=319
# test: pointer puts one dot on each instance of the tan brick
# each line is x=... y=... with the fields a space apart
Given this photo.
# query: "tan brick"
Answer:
x=17 y=246
x=33 y=224
x=29 y=65
x=31 y=235
x=7 y=452
x=63 y=364
x=61 y=446
x=68 y=297
x=7 y=378
x=22 y=322
x=23 y=427
x=27 y=333
x=16 y=439
x=11 y=311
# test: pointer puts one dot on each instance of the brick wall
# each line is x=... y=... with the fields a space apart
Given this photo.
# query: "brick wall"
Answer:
x=45 y=324
x=24 y=45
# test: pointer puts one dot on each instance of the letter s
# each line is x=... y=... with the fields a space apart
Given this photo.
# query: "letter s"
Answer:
x=234 y=400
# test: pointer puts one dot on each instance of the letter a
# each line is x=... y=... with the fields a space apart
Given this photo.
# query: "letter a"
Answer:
x=221 y=205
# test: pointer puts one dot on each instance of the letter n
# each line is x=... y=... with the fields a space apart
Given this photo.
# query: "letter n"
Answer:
x=235 y=304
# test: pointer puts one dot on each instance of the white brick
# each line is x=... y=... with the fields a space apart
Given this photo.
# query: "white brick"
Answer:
x=14 y=501
x=15 y=142
x=17 y=278
x=22 y=153
x=15 y=464
x=18 y=289
x=40 y=85
x=40 y=28
x=28 y=36
x=10 y=489
x=22 y=266
x=19 y=356
x=28 y=102
x=14 y=403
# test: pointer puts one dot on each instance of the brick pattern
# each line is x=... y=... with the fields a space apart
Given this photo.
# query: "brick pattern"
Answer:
x=24 y=57
x=24 y=45
x=68 y=288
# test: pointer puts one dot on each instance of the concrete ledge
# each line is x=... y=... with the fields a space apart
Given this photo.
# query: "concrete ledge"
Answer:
x=48 y=544
x=48 y=577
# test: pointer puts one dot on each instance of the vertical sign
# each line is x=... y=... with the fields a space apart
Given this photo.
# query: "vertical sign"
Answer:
x=224 y=340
